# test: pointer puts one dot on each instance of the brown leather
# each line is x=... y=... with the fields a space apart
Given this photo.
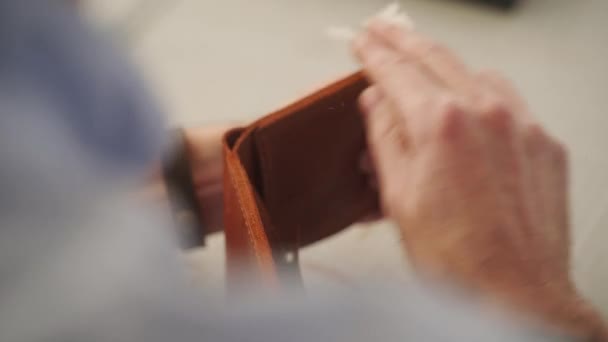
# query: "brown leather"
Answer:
x=293 y=178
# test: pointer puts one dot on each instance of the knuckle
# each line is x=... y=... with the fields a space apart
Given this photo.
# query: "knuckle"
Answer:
x=536 y=129
x=496 y=109
x=451 y=119
x=535 y=133
x=496 y=114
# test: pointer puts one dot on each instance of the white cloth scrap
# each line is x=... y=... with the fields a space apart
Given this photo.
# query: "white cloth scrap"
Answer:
x=392 y=14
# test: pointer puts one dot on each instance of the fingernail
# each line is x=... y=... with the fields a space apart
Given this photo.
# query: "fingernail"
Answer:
x=369 y=99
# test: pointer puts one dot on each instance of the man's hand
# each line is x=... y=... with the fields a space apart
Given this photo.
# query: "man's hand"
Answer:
x=204 y=147
x=477 y=187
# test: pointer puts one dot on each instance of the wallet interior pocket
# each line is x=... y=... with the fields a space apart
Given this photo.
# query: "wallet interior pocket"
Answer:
x=308 y=165
x=293 y=178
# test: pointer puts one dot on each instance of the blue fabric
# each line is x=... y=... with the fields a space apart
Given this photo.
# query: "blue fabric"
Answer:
x=47 y=51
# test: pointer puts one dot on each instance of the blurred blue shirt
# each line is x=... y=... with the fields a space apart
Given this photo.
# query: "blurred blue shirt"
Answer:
x=60 y=80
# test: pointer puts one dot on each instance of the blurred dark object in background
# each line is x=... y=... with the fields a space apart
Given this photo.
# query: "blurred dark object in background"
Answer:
x=503 y=4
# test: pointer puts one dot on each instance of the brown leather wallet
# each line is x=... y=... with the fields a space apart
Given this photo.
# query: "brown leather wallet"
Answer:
x=293 y=178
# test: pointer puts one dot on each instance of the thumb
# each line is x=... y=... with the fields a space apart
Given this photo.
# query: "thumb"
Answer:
x=385 y=132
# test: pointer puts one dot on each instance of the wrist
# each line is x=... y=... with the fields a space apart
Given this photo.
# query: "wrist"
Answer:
x=153 y=189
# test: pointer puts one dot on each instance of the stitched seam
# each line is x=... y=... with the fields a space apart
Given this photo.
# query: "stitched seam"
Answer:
x=238 y=198
x=238 y=177
x=245 y=215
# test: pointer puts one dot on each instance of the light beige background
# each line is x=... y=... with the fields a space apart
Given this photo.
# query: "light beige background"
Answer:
x=212 y=61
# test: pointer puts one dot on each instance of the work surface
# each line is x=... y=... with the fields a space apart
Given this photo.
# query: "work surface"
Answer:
x=213 y=61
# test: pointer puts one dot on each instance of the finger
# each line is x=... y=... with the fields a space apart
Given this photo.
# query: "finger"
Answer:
x=369 y=99
x=381 y=124
x=493 y=81
x=437 y=59
x=402 y=84
x=389 y=70
x=367 y=167
x=387 y=140
x=377 y=118
x=547 y=185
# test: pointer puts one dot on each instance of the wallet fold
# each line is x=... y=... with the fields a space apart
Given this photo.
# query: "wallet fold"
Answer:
x=293 y=178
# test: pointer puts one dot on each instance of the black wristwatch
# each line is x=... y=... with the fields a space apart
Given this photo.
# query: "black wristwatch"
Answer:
x=177 y=173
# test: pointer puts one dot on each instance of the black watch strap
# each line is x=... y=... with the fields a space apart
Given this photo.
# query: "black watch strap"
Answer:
x=177 y=173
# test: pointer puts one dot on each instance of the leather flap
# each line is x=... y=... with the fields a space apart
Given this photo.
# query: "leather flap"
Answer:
x=309 y=154
x=293 y=178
